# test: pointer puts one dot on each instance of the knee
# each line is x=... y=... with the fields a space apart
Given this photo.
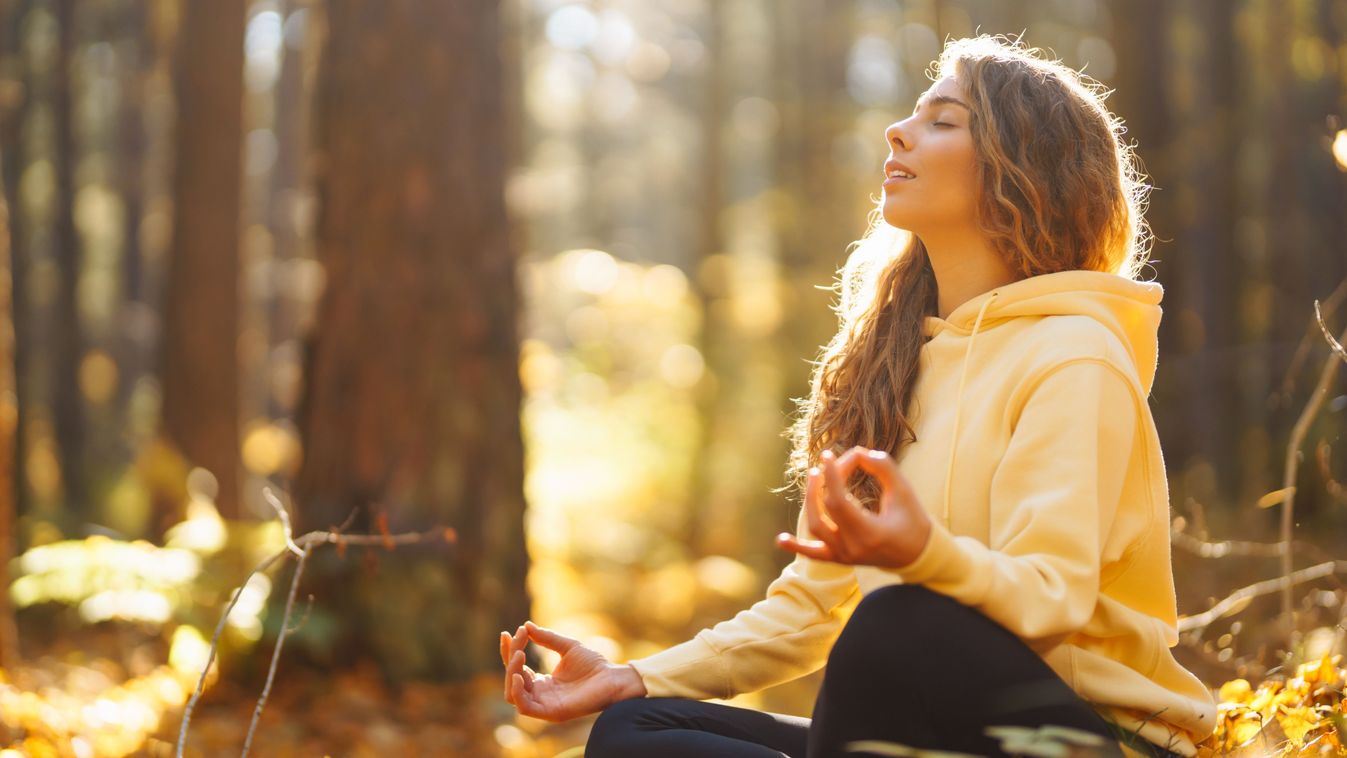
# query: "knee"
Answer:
x=898 y=619
x=616 y=728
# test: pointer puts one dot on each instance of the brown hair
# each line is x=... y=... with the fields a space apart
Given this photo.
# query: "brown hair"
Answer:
x=1059 y=190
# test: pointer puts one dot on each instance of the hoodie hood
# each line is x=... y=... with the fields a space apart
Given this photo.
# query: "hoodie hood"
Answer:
x=1129 y=308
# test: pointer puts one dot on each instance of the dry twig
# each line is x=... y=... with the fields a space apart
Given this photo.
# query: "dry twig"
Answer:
x=276 y=652
x=1223 y=548
x=300 y=548
x=1237 y=600
x=1302 y=353
x=1292 y=464
x=1194 y=545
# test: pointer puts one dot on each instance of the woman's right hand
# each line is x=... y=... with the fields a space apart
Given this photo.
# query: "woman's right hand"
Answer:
x=583 y=681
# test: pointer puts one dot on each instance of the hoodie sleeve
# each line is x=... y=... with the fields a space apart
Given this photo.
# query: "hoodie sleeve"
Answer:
x=1054 y=496
x=784 y=636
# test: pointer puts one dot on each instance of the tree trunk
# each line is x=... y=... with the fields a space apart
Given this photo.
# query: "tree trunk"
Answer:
x=15 y=94
x=200 y=361
x=701 y=508
x=67 y=343
x=289 y=190
x=9 y=416
x=412 y=399
x=1204 y=277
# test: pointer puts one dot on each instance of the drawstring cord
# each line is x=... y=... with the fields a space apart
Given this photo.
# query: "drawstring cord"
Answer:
x=958 y=408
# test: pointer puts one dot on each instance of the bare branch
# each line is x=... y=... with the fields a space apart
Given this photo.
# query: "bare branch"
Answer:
x=284 y=515
x=276 y=653
x=1302 y=353
x=1292 y=464
x=313 y=539
x=1237 y=600
x=1335 y=344
x=215 y=646
x=1225 y=548
x=300 y=547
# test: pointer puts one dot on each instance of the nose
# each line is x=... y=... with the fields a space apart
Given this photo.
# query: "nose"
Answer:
x=897 y=137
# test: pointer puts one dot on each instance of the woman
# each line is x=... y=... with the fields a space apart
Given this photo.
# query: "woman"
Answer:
x=989 y=555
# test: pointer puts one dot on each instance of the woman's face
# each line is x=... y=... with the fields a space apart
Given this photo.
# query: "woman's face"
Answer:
x=933 y=145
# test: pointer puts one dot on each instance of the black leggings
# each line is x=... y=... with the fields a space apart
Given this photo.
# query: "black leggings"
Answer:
x=912 y=667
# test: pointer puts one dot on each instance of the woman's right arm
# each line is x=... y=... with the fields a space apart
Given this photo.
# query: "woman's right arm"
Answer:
x=784 y=636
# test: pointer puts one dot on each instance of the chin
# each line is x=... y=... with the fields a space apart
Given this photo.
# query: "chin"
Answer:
x=895 y=217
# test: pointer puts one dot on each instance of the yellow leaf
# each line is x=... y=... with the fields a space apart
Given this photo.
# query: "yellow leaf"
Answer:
x=1321 y=671
x=1236 y=691
x=1263 y=698
x=37 y=747
x=1297 y=686
x=1296 y=722
x=1244 y=730
x=1275 y=497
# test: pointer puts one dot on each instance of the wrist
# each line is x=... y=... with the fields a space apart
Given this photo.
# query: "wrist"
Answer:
x=627 y=682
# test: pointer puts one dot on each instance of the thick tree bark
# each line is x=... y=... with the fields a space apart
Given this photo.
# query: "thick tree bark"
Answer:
x=68 y=410
x=1205 y=276
x=714 y=333
x=200 y=361
x=13 y=108
x=289 y=188
x=9 y=417
x=412 y=399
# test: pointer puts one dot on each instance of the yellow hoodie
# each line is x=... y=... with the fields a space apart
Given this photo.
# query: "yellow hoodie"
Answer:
x=1037 y=457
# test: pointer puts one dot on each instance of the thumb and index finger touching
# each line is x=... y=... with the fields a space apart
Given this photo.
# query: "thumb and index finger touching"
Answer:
x=530 y=631
x=879 y=464
x=518 y=676
x=550 y=639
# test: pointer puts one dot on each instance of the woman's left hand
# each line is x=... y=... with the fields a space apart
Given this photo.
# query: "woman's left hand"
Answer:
x=845 y=532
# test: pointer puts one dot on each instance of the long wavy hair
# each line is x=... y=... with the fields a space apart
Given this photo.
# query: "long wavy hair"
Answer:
x=1059 y=190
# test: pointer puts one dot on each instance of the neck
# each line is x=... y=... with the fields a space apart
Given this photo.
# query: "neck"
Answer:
x=965 y=266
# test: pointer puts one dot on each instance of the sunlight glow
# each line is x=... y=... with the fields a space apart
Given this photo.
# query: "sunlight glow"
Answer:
x=572 y=27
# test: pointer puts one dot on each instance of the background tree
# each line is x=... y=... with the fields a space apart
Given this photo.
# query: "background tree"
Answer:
x=410 y=416
x=9 y=417
x=200 y=346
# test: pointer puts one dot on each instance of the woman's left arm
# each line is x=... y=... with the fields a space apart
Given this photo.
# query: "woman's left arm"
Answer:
x=1054 y=497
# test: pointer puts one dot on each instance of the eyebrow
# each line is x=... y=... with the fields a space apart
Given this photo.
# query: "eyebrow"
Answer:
x=940 y=100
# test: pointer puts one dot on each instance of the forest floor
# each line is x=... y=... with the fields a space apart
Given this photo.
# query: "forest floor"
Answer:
x=106 y=691
x=355 y=714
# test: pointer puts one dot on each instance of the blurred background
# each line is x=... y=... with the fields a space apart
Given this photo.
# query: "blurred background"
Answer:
x=549 y=274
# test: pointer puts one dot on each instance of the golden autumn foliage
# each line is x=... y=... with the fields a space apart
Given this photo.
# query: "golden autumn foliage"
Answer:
x=1301 y=715
x=82 y=717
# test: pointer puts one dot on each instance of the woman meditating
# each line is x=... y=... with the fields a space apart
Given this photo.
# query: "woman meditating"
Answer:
x=983 y=550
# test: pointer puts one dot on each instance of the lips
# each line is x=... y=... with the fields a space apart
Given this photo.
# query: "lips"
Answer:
x=891 y=166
